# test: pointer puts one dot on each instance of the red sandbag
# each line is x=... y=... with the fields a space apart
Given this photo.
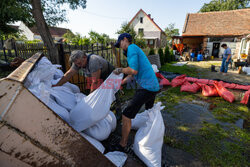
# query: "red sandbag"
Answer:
x=211 y=82
x=209 y=90
x=224 y=93
x=188 y=87
x=190 y=79
x=203 y=81
x=159 y=75
x=242 y=87
x=246 y=97
x=164 y=82
x=178 y=81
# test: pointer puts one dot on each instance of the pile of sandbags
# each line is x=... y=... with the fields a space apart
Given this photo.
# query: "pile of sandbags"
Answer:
x=89 y=115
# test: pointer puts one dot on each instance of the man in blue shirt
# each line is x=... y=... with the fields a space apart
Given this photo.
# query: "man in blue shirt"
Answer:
x=226 y=59
x=141 y=70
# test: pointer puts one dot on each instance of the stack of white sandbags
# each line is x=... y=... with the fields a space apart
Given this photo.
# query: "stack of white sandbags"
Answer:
x=149 y=137
x=87 y=114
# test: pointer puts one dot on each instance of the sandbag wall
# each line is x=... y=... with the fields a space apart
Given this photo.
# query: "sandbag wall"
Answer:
x=208 y=87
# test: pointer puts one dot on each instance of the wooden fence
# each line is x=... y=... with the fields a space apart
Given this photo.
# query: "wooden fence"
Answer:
x=111 y=54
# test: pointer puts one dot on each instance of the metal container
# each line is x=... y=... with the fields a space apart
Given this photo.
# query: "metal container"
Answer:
x=31 y=134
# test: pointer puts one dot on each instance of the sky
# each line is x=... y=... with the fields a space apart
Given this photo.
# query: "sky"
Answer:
x=107 y=16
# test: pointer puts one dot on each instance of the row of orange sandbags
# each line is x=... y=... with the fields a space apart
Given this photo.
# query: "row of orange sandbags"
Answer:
x=208 y=87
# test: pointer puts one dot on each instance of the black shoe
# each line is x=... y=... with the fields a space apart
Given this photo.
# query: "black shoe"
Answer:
x=116 y=147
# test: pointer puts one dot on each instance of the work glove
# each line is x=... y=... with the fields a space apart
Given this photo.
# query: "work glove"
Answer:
x=117 y=71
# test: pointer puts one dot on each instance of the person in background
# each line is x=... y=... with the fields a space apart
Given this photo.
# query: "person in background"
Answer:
x=226 y=59
x=94 y=67
x=141 y=70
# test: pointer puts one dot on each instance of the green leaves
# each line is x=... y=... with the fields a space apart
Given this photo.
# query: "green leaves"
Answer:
x=223 y=5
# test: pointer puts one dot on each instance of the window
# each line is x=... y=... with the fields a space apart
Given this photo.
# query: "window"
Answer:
x=151 y=42
x=141 y=19
x=140 y=31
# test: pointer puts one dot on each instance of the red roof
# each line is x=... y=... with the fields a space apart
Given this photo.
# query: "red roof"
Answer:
x=55 y=31
x=149 y=19
x=222 y=23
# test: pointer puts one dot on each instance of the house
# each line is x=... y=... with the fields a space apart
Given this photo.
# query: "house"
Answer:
x=144 y=23
x=207 y=31
x=32 y=33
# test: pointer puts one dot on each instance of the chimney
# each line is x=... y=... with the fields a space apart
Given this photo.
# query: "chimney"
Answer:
x=149 y=15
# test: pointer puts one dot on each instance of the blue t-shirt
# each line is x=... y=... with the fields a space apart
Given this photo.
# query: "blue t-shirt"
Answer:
x=138 y=61
x=227 y=52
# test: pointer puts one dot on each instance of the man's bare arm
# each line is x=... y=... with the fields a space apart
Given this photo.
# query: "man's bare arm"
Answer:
x=66 y=77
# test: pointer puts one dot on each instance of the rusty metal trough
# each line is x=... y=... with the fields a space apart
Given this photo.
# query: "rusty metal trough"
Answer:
x=31 y=134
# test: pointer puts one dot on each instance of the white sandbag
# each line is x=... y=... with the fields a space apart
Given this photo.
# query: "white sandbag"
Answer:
x=112 y=120
x=140 y=120
x=155 y=68
x=95 y=106
x=73 y=88
x=102 y=129
x=42 y=72
x=94 y=142
x=246 y=70
x=149 y=138
x=58 y=73
x=118 y=158
x=59 y=110
x=64 y=97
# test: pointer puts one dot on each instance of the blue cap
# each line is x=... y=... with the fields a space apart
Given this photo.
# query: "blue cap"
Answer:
x=121 y=37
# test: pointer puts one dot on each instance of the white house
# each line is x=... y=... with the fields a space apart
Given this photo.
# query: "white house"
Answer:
x=32 y=33
x=143 y=23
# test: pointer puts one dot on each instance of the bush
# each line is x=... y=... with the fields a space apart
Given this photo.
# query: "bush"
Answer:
x=161 y=55
x=172 y=55
x=152 y=51
x=141 y=42
x=167 y=55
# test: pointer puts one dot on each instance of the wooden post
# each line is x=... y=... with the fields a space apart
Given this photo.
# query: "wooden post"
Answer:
x=118 y=58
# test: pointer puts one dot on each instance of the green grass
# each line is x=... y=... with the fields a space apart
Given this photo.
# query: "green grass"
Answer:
x=219 y=147
x=189 y=71
x=214 y=144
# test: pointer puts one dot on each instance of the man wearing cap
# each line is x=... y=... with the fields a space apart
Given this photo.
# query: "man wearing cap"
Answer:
x=141 y=70
x=96 y=68
x=226 y=59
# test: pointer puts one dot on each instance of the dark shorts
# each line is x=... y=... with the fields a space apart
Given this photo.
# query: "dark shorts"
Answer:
x=142 y=96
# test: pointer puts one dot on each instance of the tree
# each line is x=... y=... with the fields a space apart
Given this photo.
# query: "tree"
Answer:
x=161 y=54
x=40 y=12
x=126 y=28
x=167 y=55
x=223 y=5
x=171 y=31
x=69 y=36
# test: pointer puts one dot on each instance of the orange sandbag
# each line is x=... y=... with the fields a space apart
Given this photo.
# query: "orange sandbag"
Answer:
x=209 y=90
x=178 y=81
x=188 y=87
x=223 y=92
x=246 y=97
